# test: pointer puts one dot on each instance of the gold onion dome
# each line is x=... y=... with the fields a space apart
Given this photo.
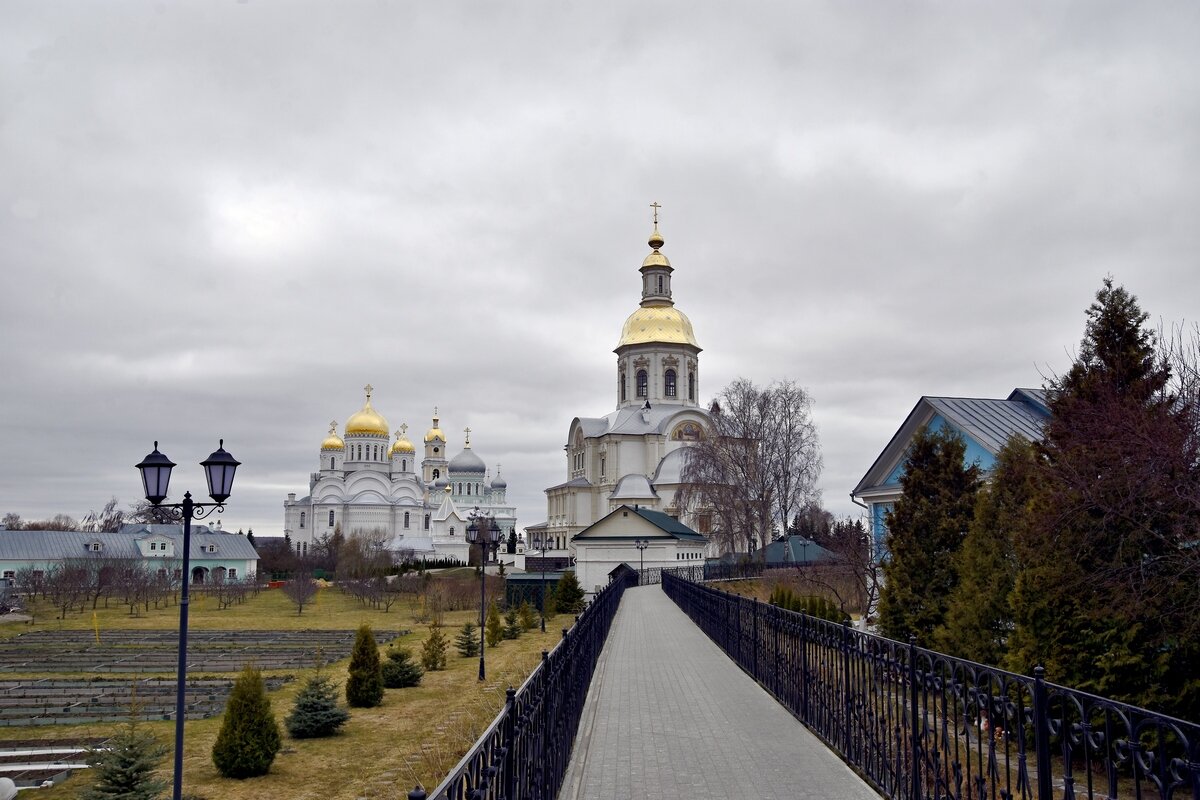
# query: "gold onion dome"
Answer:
x=656 y=259
x=368 y=420
x=665 y=324
x=333 y=441
x=403 y=445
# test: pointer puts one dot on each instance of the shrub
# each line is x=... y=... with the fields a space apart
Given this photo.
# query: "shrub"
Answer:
x=494 y=629
x=249 y=737
x=316 y=713
x=568 y=594
x=399 y=670
x=467 y=641
x=433 y=652
x=364 y=687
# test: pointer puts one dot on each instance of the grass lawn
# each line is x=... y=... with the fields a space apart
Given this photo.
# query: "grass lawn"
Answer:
x=417 y=735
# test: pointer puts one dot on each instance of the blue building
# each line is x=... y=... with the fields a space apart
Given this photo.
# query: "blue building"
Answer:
x=985 y=425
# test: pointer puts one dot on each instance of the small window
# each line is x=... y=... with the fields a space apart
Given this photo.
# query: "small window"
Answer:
x=641 y=383
x=231 y=573
x=162 y=573
x=451 y=530
x=691 y=386
x=660 y=284
x=304 y=548
x=426 y=522
x=406 y=519
x=437 y=474
x=669 y=382
x=622 y=387
x=331 y=517
x=37 y=573
x=331 y=463
x=301 y=519
x=404 y=465
x=154 y=545
x=9 y=574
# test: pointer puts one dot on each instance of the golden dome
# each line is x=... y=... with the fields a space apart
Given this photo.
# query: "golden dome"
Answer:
x=368 y=420
x=664 y=324
x=435 y=434
x=333 y=441
x=402 y=445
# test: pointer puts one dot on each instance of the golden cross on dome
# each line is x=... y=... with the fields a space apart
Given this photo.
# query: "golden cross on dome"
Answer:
x=368 y=389
x=333 y=427
x=656 y=207
x=467 y=431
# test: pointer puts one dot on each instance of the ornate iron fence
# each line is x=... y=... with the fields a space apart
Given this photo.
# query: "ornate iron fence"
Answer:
x=525 y=751
x=922 y=724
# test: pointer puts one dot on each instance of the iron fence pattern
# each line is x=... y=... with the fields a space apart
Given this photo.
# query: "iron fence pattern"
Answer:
x=922 y=724
x=524 y=753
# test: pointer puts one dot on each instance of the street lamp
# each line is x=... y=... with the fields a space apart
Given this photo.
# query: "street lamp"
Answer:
x=537 y=542
x=484 y=530
x=156 y=475
x=641 y=545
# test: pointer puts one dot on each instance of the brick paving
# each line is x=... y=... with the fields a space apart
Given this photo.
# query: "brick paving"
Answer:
x=669 y=715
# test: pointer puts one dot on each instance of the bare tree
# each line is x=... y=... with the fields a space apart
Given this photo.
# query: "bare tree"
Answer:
x=106 y=520
x=300 y=590
x=756 y=464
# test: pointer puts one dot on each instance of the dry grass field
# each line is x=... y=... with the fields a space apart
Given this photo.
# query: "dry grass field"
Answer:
x=417 y=735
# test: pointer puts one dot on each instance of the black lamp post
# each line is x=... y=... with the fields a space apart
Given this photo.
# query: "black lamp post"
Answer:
x=156 y=475
x=641 y=545
x=538 y=544
x=485 y=530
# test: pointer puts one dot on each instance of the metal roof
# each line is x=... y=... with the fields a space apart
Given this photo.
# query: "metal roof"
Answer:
x=60 y=545
x=990 y=422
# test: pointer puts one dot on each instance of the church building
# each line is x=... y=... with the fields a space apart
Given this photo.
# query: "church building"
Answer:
x=632 y=457
x=368 y=484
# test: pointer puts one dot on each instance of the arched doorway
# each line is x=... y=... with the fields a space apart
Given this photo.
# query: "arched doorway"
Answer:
x=199 y=575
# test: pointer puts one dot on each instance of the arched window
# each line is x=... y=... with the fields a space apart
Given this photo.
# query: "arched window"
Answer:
x=641 y=383
x=331 y=463
x=669 y=382
x=691 y=386
x=404 y=465
x=660 y=284
x=331 y=517
x=622 y=379
x=437 y=474
x=451 y=530
x=301 y=519
x=426 y=522
x=406 y=519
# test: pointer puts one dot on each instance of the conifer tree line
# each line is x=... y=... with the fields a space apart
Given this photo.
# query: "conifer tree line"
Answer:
x=1079 y=552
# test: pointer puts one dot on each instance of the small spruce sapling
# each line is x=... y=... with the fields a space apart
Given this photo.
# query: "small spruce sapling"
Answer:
x=527 y=616
x=316 y=713
x=467 y=641
x=249 y=737
x=124 y=767
x=400 y=670
x=364 y=687
x=512 y=625
x=494 y=629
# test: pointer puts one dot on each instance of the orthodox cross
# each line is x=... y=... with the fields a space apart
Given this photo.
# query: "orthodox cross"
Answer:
x=368 y=389
x=332 y=427
x=656 y=207
x=467 y=431
x=403 y=429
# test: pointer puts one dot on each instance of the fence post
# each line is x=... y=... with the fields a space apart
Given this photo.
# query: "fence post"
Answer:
x=510 y=742
x=847 y=692
x=914 y=721
x=804 y=667
x=1041 y=733
x=754 y=629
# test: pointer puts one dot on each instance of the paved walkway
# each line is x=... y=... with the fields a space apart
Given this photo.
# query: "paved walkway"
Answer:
x=669 y=715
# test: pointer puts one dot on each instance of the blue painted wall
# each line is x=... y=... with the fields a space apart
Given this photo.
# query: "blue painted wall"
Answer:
x=976 y=453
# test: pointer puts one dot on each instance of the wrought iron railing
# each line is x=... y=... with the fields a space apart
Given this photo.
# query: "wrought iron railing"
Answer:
x=921 y=724
x=525 y=751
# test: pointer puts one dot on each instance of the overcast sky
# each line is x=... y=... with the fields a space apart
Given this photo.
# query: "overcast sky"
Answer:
x=222 y=219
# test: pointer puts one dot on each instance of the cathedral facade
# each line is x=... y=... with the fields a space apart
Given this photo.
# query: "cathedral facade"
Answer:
x=634 y=455
x=367 y=484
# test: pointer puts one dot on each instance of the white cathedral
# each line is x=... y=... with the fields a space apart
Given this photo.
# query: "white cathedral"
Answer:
x=634 y=455
x=366 y=484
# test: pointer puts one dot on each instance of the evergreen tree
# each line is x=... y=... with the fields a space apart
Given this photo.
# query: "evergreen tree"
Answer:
x=364 y=687
x=1103 y=599
x=467 y=641
x=249 y=737
x=527 y=616
x=316 y=713
x=550 y=604
x=400 y=670
x=568 y=594
x=512 y=625
x=124 y=768
x=925 y=531
x=250 y=536
x=433 y=653
x=493 y=629
x=979 y=616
